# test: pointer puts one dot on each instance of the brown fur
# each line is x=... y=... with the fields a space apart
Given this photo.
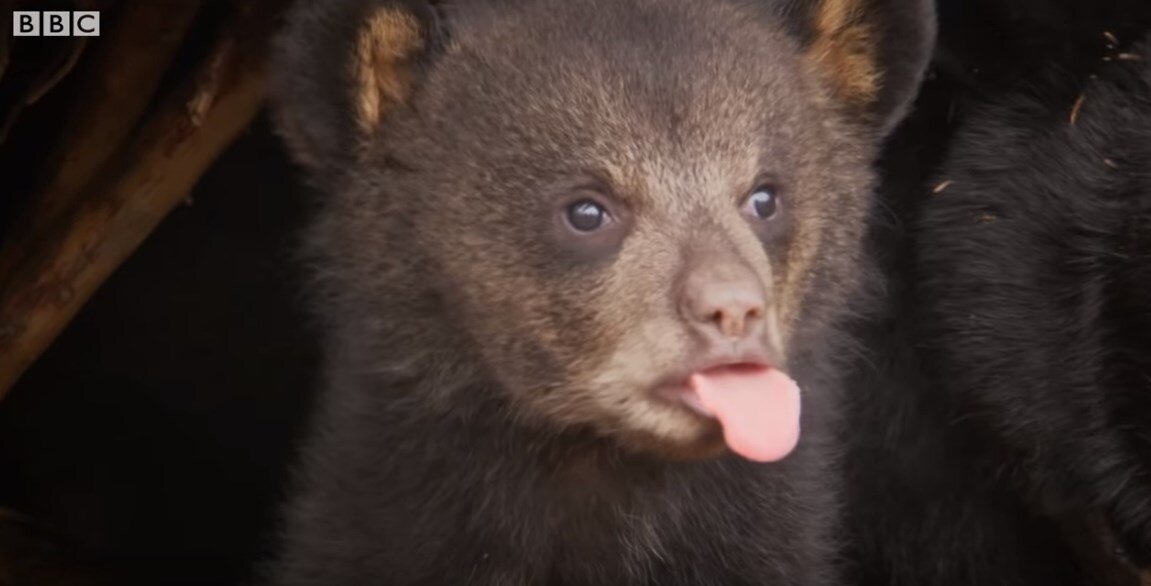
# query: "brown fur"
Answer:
x=386 y=42
x=845 y=49
x=493 y=413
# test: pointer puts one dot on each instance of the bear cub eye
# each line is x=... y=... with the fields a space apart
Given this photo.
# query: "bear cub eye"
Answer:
x=587 y=216
x=763 y=203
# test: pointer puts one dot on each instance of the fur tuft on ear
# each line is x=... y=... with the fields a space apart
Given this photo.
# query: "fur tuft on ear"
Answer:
x=339 y=67
x=872 y=53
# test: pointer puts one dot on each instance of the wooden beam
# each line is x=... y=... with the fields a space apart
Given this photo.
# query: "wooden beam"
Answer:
x=77 y=252
x=119 y=85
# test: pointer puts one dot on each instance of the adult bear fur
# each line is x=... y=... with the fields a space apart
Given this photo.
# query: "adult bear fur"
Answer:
x=1035 y=264
x=932 y=497
x=1005 y=214
x=452 y=446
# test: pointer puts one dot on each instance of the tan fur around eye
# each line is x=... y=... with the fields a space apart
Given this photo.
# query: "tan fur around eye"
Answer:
x=387 y=41
x=845 y=51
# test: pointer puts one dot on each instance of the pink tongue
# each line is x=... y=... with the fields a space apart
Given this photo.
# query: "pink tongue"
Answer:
x=758 y=408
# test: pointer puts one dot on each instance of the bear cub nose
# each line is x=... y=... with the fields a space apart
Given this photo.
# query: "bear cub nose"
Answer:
x=725 y=302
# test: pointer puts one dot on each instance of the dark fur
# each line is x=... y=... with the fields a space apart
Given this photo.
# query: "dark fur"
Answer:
x=1006 y=422
x=932 y=498
x=1036 y=264
x=483 y=421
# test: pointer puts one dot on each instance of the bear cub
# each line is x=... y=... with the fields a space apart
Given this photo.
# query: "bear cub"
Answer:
x=579 y=263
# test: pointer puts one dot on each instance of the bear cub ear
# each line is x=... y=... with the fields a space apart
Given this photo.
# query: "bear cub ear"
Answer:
x=340 y=66
x=871 y=53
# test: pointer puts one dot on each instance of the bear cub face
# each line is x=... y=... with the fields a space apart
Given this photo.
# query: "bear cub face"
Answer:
x=603 y=230
x=588 y=221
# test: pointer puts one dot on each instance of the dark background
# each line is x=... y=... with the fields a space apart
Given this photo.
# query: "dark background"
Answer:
x=156 y=429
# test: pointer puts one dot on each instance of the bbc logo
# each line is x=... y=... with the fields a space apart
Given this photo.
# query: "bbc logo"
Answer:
x=55 y=24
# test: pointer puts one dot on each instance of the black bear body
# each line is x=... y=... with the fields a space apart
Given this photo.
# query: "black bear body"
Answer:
x=1002 y=438
x=1034 y=267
